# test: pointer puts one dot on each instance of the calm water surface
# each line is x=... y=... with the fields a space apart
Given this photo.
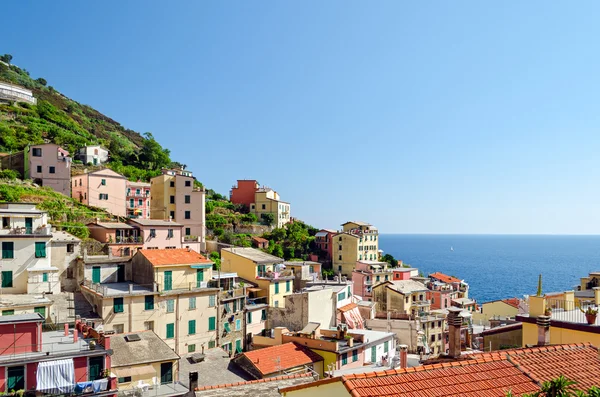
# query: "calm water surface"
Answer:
x=500 y=266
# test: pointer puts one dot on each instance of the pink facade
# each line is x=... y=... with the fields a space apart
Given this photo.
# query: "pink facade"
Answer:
x=49 y=165
x=103 y=189
x=243 y=193
x=21 y=339
x=124 y=239
x=324 y=241
x=138 y=200
x=441 y=299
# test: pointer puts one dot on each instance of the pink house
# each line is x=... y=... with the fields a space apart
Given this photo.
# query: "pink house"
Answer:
x=103 y=189
x=324 y=241
x=49 y=165
x=367 y=274
x=124 y=239
x=138 y=200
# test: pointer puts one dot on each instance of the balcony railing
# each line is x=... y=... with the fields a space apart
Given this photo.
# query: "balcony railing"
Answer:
x=127 y=240
x=189 y=239
x=569 y=311
x=275 y=276
x=41 y=230
x=232 y=293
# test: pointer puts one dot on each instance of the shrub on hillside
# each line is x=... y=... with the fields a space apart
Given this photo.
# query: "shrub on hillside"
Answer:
x=9 y=174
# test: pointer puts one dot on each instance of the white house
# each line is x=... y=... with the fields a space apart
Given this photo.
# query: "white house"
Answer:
x=26 y=256
x=94 y=155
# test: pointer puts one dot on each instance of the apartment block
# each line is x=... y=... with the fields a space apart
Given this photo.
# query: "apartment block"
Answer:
x=366 y=274
x=173 y=196
x=357 y=241
x=166 y=291
x=324 y=242
x=138 y=200
x=104 y=189
x=406 y=297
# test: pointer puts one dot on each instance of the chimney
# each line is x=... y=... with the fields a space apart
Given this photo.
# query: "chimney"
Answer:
x=403 y=356
x=66 y=329
x=596 y=295
x=193 y=380
x=454 y=322
x=543 y=326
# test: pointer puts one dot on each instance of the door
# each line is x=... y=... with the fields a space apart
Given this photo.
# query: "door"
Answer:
x=28 y=225
x=96 y=367
x=168 y=280
x=16 y=378
x=121 y=273
x=166 y=373
x=373 y=354
x=96 y=274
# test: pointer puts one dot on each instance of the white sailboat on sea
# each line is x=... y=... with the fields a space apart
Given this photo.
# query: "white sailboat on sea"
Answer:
x=451 y=248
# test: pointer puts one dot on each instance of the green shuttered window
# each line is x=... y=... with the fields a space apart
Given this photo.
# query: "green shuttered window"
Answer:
x=170 y=331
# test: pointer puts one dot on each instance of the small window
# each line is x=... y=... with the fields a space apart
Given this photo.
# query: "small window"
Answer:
x=170 y=305
x=118 y=305
x=212 y=323
x=8 y=250
x=44 y=277
x=191 y=348
x=170 y=331
x=40 y=249
x=52 y=169
x=36 y=152
x=212 y=344
x=188 y=231
x=238 y=325
x=149 y=302
x=172 y=184
x=152 y=232
x=188 y=183
x=71 y=248
x=125 y=379
x=192 y=304
x=192 y=327
x=188 y=215
x=103 y=182
x=172 y=199
x=211 y=301
x=344 y=358
x=170 y=233
x=188 y=199
x=39 y=170
x=264 y=206
x=7 y=279
x=172 y=214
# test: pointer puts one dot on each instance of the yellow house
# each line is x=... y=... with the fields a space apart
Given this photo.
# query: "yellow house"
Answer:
x=143 y=360
x=267 y=200
x=402 y=296
x=356 y=242
x=262 y=269
x=166 y=291
x=173 y=196
x=499 y=309
x=553 y=320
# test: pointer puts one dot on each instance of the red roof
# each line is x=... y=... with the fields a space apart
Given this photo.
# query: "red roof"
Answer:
x=280 y=357
x=348 y=307
x=512 y=301
x=170 y=257
x=444 y=278
x=486 y=374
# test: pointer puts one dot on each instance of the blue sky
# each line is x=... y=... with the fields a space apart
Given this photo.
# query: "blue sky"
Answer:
x=419 y=117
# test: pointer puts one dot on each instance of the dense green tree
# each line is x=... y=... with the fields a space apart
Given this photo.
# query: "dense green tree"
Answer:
x=267 y=219
x=153 y=155
x=42 y=81
x=277 y=250
x=216 y=259
x=6 y=58
x=390 y=259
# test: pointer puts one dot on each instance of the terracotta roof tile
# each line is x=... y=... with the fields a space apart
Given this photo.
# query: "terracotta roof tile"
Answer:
x=444 y=278
x=514 y=302
x=348 y=307
x=169 y=257
x=280 y=357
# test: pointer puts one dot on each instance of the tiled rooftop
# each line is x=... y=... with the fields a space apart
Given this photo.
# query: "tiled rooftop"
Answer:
x=281 y=357
x=168 y=257
x=514 y=302
x=481 y=375
x=444 y=277
x=259 y=387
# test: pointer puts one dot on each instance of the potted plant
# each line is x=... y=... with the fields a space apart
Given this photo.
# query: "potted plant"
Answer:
x=548 y=312
x=590 y=314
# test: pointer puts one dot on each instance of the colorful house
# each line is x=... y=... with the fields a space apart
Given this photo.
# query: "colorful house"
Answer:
x=267 y=271
x=324 y=242
x=366 y=274
x=138 y=200
x=53 y=362
x=406 y=297
x=261 y=200
x=279 y=360
x=358 y=241
x=174 y=197
x=166 y=291
x=103 y=189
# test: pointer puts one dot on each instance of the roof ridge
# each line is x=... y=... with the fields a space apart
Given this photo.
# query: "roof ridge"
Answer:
x=249 y=382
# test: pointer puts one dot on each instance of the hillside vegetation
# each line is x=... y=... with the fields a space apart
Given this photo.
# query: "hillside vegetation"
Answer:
x=63 y=121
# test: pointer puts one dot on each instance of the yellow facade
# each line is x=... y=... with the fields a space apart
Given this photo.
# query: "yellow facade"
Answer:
x=497 y=309
x=319 y=389
x=559 y=335
x=267 y=202
x=391 y=300
x=329 y=359
x=273 y=289
x=144 y=374
x=350 y=248
x=160 y=193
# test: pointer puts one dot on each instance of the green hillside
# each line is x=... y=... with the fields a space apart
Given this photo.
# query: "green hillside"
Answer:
x=70 y=124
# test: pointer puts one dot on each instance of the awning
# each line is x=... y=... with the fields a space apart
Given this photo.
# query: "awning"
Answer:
x=207 y=266
x=146 y=369
x=56 y=377
x=254 y=289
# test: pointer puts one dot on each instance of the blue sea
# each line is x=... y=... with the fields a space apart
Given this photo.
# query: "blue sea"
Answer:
x=500 y=266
